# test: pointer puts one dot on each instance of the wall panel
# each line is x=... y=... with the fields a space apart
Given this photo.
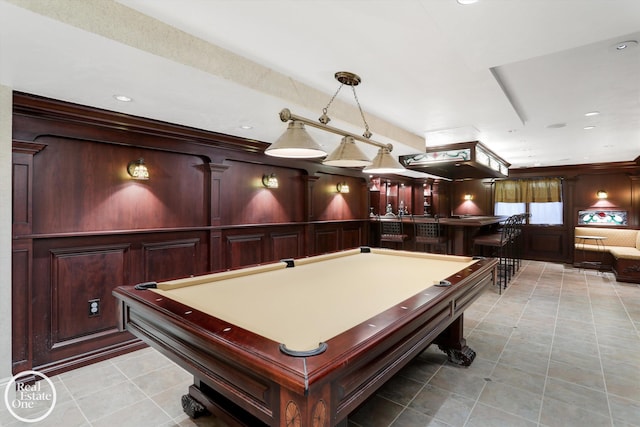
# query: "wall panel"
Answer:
x=83 y=186
x=327 y=241
x=21 y=305
x=352 y=237
x=546 y=243
x=80 y=275
x=171 y=259
x=244 y=200
x=244 y=250
x=286 y=245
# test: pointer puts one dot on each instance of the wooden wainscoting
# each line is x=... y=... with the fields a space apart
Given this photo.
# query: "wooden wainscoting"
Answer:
x=547 y=243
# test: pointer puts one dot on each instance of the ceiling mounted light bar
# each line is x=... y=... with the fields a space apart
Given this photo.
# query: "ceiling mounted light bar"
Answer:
x=347 y=154
x=382 y=163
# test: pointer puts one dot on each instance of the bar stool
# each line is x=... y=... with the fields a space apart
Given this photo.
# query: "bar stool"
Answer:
x=392 y=231
x=518 y=240
x=500 y=245
x=429 y=234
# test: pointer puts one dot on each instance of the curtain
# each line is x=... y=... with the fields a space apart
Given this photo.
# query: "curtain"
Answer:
x=539 y=190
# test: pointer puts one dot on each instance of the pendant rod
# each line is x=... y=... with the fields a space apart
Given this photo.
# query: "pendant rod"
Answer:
x=286 y=115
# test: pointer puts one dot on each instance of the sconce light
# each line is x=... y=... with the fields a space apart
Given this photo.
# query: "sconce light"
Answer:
x=270 y=181
x=468 y=197
x=296 y=143
x=601 y=194
x=342 y=187
x=137 y=169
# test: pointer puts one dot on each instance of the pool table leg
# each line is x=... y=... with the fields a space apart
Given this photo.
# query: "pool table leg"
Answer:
x=192 y=407
x=452 y=342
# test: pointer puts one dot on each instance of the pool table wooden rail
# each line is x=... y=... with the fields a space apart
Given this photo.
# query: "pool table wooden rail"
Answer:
x=237 y=372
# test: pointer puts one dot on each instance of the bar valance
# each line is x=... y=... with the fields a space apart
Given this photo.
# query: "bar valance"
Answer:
x=539 y=190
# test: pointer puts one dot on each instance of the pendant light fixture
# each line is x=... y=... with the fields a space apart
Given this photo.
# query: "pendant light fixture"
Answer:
x=296 y=143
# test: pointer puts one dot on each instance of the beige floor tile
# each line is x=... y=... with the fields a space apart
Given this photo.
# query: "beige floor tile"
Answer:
x=147 y=361
x=625 y=410
x=577 y=375
x=163 y=378
x=577 y=396
x=513 y=400
x=93 y=378
x=483 y=416
x=144 y=413
x=106 y=401
x=626 y=386
x=556 y=413
x=518 y=378
x=377 y=411
x=443 y=405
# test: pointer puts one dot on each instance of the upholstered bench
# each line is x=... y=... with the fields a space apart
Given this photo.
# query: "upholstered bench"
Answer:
x=620 y=249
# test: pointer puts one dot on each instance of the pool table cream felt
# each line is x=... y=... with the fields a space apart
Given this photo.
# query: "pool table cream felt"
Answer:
x=323 y=295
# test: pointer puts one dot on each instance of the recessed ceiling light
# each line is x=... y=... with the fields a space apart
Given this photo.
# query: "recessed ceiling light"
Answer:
x=123 y=98
x=628 y=44
x=589 y=127
x=246 y=127
x=592 y=113
x=467 y=1
x=556 y=125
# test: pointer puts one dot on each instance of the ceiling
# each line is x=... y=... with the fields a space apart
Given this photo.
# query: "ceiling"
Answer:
x=518 y=75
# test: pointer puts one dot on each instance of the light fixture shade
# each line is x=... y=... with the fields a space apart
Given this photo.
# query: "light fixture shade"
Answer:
x=384 y=162
x=342 y=187
x=347 y=155
x=295 y=142
x=138 y=170
x=270 y=181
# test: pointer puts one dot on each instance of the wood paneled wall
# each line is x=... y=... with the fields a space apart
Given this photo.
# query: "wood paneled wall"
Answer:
x=554 y=243
x=83 y=226
x=579 y=187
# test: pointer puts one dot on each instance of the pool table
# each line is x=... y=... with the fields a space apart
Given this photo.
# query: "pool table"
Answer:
x=303 y=342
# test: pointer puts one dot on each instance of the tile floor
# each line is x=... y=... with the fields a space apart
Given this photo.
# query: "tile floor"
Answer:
x=560 y=347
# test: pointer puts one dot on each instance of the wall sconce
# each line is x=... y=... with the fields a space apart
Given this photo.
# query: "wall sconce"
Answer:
x=137 y=169
x=270 y=181
x=342 y=187
x=468 y=197
x=601 y=194
x=296 y=143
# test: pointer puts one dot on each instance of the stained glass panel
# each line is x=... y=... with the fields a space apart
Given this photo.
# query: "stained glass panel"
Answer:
x=594 y=217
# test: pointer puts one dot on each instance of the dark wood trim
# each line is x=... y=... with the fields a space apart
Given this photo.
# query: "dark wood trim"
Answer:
x=571 y=171
x=57 y=111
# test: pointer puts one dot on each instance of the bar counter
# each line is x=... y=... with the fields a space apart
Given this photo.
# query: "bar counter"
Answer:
x=460 y=230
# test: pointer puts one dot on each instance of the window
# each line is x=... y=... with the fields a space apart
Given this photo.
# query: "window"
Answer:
x=541 y=198
x=508 y=209
x=545 y=213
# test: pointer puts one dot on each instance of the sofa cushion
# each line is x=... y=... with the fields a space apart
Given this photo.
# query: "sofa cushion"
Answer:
x=624 y=252
x=614 y=236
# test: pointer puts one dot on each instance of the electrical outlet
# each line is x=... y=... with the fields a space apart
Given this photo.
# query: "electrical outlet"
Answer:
x=94 y=307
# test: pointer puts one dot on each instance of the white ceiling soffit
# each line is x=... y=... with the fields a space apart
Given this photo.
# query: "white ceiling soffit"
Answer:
x=498 y=71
